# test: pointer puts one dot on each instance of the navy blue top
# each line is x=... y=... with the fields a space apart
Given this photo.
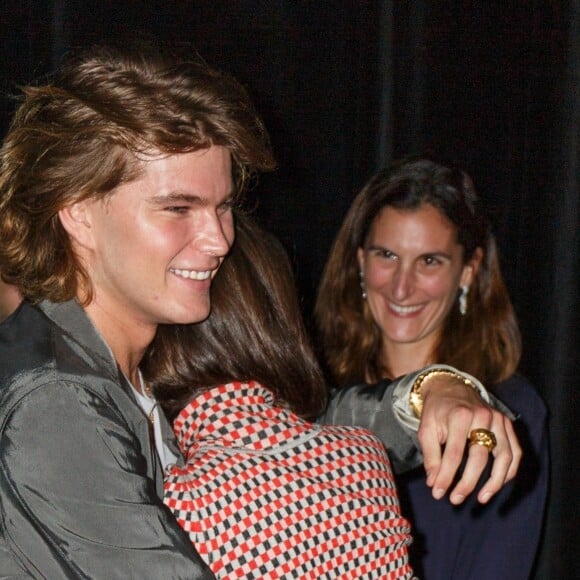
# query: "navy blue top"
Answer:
x=485 y=542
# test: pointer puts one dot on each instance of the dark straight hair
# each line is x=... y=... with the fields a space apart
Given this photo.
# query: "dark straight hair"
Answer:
x=485 y=342
x=255 y=332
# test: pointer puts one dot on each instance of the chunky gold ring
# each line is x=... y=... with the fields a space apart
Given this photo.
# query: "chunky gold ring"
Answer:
x=483 y=437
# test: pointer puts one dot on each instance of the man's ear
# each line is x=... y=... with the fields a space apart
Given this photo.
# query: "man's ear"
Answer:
x=76 y=220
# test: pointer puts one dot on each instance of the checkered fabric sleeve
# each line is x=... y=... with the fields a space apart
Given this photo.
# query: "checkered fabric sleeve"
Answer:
x=266 y=495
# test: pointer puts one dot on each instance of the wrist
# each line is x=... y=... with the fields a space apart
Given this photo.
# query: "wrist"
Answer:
x=421 y=383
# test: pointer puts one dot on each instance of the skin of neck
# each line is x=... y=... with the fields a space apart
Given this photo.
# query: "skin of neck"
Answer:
x=402 y=359
x=128 y=341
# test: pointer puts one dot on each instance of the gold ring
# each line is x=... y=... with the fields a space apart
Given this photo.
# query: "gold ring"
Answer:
x=483 y=437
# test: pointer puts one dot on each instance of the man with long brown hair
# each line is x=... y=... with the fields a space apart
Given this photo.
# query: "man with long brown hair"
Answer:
x=117 y=181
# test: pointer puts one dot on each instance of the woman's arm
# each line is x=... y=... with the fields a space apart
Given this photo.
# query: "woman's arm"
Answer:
x=451 y=410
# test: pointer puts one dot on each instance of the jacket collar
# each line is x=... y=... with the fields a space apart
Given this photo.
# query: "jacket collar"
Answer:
x=72 y=320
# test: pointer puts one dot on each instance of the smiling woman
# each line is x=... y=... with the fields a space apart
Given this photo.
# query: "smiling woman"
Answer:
x=412 y=267
x=416 y=248
x=414 y=279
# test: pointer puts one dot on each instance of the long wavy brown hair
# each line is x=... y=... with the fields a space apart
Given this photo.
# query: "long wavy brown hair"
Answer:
x=485 y=342
x=81 y=134
x=255 y=331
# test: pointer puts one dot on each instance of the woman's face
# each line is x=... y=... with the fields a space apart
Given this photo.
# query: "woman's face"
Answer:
x=413 y=268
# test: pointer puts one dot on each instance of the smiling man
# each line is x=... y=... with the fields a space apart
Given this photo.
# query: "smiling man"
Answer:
x=117 y=181
x=151 y=249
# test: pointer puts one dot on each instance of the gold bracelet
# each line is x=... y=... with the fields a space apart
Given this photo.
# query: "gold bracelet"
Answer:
x=416 y=397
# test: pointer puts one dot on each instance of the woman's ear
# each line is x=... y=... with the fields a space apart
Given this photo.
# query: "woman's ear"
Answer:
x=75 y=219
x=360 y=256
x=470 y=269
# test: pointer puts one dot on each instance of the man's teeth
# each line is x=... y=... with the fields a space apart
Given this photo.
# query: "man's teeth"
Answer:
x=192 y=274
x=405 y=309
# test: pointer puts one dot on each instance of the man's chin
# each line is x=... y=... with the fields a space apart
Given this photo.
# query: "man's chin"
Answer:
x=188 y=317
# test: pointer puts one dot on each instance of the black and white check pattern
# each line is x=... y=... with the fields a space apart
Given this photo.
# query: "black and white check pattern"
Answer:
x=265 y=495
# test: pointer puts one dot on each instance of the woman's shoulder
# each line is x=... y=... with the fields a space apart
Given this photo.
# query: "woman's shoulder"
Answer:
x=521 y=396
x=531 y=426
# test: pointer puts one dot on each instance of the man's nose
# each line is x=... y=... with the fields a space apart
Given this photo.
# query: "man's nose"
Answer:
x=215 y=234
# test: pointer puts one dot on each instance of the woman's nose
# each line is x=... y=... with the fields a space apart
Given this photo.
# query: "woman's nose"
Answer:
x=402 y=283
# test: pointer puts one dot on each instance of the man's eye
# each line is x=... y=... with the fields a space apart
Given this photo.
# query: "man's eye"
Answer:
x=431 y=260
x=176 y=209
x=226 y=206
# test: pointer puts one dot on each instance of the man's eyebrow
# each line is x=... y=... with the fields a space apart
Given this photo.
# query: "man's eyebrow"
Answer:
x=177 y=197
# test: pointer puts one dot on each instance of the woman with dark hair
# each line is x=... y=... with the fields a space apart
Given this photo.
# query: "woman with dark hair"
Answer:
x=265 y=493
x=413 y=279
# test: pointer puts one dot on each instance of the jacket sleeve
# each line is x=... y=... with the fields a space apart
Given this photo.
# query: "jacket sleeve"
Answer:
x=384 y=409
x=77 y=498
x=374 y=407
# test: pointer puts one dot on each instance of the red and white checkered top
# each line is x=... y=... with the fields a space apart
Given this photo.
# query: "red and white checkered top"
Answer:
x=266 y=495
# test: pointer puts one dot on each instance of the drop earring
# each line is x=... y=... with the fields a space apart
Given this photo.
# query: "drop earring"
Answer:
x=363 y=287
x=463 y=300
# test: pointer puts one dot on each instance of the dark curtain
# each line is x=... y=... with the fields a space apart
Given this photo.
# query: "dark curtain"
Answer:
x=346 y=86
x=496 y=86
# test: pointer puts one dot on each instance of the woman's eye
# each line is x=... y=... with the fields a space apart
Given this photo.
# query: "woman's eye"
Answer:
x=381 y=253
x=431 y=261
x=387 y=254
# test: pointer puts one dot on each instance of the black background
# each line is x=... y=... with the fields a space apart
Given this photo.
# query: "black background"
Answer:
x=346 y=86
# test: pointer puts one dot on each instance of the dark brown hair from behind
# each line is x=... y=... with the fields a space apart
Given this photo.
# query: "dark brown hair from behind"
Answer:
x=255 y=332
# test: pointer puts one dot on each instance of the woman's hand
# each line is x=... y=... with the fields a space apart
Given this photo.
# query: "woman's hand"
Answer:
x=451 y=410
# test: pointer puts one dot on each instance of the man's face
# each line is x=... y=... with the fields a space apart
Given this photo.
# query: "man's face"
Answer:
x=156 y=242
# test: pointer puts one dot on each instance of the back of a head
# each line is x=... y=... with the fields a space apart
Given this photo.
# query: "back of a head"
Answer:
x=85 y=131
x=254 y=332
